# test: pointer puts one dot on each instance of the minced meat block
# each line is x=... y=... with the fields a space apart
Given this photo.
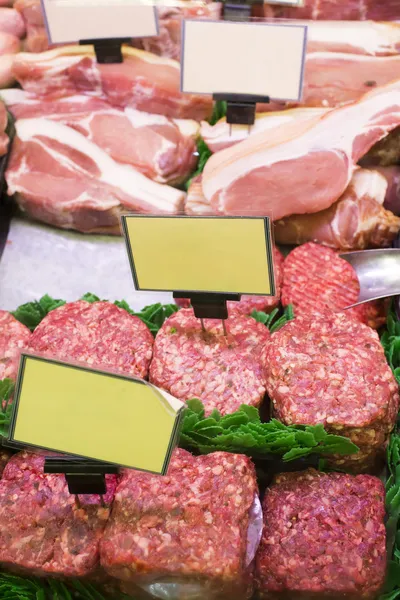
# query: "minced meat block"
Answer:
x=43 y=528
x=332 y=370
x=14 y=338
x=222 y=371
x=189 y=526
x=316 y=279
x=247 y=304
x=99 y=334
x=324 y=537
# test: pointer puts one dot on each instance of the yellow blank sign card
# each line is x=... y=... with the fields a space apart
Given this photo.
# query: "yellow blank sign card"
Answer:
x=94 y=414
x=200 y=254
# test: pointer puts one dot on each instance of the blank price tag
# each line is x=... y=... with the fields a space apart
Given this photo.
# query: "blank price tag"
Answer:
x=94 y=414
x=228 y=57
x=228 y=255
x=73 y=20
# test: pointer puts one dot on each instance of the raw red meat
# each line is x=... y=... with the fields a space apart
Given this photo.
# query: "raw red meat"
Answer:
x=100 y=334
x=44 y=530
x=324 y=536
x=14 y=337
x=143 y=80
x=190 y=526
x=352 y=10
x=162 y=149
x=332 y=370
x=223 y=371
x=317 y=280
x=302 y=166
x=355 y=222
x=66 y=180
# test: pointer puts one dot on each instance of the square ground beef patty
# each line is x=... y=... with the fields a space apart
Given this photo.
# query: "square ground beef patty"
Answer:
x=324 y=537
x=43 y=529
x=333 y=370
x=189 y=526
x=222 y=371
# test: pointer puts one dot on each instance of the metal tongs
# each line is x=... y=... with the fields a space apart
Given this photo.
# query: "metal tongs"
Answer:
x=378 y=272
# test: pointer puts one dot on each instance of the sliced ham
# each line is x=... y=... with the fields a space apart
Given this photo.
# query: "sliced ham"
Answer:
x=303 y=166
x=355 y=222
x=162 y=149
x=62 y=178
x=142 y=81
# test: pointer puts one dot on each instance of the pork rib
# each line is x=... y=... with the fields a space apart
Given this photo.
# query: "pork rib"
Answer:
x=62 y=178
x=162 y=149
x=143 y=81
x=304 y=166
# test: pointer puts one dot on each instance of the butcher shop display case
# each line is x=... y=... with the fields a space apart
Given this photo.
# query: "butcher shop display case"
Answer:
x=280 y=476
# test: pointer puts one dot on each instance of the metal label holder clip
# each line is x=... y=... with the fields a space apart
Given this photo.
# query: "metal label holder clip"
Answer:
x=208 y=305
x=241 y=108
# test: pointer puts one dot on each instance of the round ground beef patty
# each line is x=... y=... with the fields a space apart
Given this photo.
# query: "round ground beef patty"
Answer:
x=223 y=372
x=315 y=279
x=247 y=304
x=332 y=370
x=99 y=334
x=324 y=537
x=14 y=337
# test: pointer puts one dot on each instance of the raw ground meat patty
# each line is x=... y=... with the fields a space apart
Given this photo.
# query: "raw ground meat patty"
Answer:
x=43 y=529
x=315 y=278
x=190 y=525
x=99 y=334
x=332 y=370
x=14 y=337
x=247 y=304
x=324 y=534
x=223 y=372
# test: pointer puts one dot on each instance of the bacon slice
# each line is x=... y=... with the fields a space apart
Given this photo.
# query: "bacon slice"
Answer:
x=142 y=81
x=356 y=221
x=62 y=178
x=304 y=166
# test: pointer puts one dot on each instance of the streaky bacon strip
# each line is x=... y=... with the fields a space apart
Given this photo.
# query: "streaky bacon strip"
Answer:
x=303 y=166
x=64 y=179
x=143 y=81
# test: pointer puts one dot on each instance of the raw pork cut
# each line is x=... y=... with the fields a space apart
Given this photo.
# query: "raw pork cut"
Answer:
x=355 y=222
x=346 y=10
x=36 y=36
x=45 y=529
x=62 y=178
x=222 y=135
x=168 y=42
x=143 y=80
x=303 y=166
x=365 y=37
x=11 y=22
x=162 y=149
